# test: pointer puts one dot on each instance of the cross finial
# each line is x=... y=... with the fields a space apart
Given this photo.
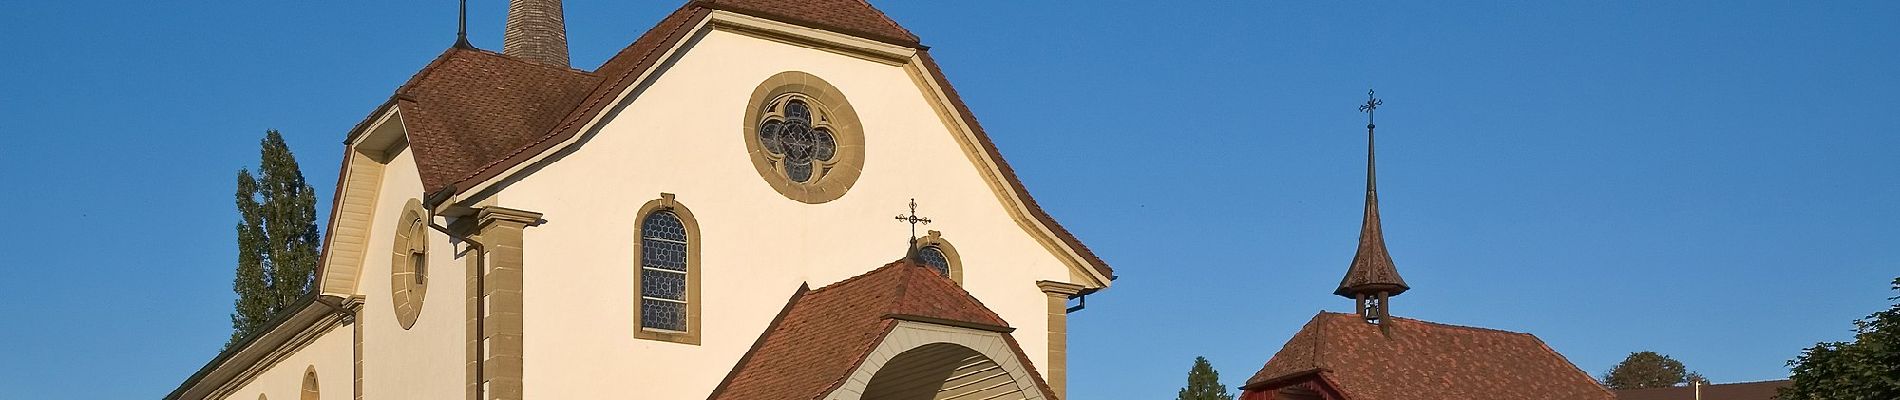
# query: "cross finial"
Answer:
x=913 y=219
x=1372 y=103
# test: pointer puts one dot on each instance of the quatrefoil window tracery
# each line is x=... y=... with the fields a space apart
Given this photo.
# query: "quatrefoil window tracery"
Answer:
x=798 y=139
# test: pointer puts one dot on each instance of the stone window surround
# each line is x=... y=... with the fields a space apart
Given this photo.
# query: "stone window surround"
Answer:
x=412 y=237
x=847 y=131
x=692 y=335
x=935 y=239
x=309 y=391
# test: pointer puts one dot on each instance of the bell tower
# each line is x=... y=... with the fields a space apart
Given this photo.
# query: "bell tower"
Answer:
x=1371 y=281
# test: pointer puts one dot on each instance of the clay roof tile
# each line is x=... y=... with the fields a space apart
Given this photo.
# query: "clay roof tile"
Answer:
x=1424 y=360
x=823 y=335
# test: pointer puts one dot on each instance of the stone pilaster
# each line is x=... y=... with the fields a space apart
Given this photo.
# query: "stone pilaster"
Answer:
x=500 y=327
x=1057 y=370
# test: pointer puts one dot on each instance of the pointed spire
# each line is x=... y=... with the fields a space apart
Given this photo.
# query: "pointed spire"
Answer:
x=1372 y=277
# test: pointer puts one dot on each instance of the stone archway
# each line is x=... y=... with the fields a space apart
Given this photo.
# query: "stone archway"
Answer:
x=942 y=371
x=922 y=361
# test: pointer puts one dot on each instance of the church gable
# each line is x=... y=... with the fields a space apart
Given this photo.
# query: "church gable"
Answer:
x=629 y=75
x=501 y=196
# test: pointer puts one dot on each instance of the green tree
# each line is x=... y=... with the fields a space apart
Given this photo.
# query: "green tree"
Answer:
x=276 y=235
x=1867 y=368
x=1694 y=377
x=1645 y=369
x=1203 y=383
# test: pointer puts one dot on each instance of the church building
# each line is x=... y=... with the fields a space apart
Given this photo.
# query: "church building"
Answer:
x=1372 y=355
x=706 y=215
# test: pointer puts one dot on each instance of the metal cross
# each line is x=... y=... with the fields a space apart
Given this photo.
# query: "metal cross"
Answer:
x=1372 y=103
x=913 y=219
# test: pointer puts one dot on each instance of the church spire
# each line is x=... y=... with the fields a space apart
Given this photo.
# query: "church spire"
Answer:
x=1372 y=280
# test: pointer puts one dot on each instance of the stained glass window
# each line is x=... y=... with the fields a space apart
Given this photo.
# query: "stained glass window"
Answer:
x=663 y=272
x=932 y=256
x=798 y=139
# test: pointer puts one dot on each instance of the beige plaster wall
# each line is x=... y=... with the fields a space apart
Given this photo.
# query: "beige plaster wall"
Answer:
x=329 y=353
x=683 y=136
x=425 y=361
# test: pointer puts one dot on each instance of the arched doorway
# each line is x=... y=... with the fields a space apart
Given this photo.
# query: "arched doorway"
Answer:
x=943 y=371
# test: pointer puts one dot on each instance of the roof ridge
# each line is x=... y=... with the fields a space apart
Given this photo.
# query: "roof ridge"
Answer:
x=595 y=97
x=1320 y=332
x=1573 y=366
x=1458 y=327
x=896 y=304
x=427 y=69
x=854 y=278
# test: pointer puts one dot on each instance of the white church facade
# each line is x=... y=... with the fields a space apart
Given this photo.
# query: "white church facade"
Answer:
x=707 y=215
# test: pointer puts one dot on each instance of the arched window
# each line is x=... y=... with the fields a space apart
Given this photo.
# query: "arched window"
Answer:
x=310 y=384
x=937 y=254
x=667 y=286
x=933 y=257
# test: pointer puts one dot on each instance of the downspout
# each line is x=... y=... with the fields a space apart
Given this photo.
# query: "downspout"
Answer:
x=346 y=310
x=1082 y=298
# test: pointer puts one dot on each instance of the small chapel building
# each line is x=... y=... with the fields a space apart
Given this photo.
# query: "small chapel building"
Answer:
x=1372 y=355
x=706 y=215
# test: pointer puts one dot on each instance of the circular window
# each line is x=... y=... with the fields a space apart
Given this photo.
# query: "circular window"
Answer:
x=803 y=137
x=409 y=265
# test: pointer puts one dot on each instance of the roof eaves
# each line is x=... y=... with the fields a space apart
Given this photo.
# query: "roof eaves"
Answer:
x=277 y=321
x=950 y=322
x=1009 y=174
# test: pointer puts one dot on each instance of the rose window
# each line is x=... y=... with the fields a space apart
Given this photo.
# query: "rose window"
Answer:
x=798 y=139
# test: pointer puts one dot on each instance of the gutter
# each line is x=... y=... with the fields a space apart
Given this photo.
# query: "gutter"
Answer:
x=302 y=304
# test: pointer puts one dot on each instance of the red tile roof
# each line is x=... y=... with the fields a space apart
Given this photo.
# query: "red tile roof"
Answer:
x=1764 y=390
x=1424 y=361
x=469 y=106
x=481 y=113
x=822 y=335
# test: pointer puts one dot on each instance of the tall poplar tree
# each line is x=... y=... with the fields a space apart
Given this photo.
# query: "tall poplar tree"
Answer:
x=277 y=238
x=1203 y=383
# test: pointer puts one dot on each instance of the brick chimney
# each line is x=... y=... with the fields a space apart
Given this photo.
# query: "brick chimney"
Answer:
x=536 y=32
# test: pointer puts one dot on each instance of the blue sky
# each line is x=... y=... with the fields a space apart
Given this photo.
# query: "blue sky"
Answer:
x=1715 y=181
